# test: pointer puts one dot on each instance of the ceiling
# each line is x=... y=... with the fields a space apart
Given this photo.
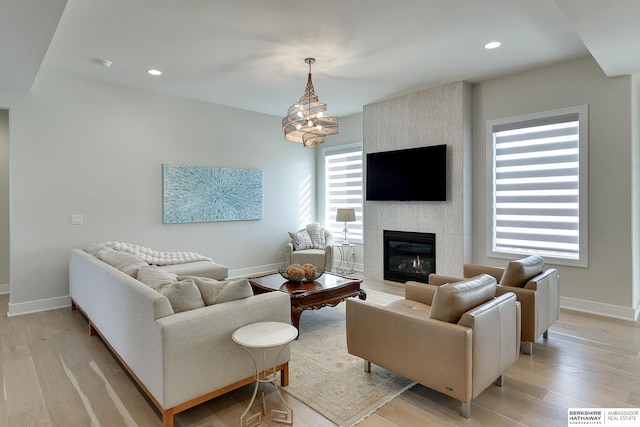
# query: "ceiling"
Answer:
x=250 y=54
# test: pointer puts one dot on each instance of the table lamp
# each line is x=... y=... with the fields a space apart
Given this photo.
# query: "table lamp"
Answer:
x=346 y=215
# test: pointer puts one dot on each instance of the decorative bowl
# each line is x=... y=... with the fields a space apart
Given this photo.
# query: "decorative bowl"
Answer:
x=283 y=272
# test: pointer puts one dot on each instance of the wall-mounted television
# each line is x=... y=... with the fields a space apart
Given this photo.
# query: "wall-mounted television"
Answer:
x=415 y=174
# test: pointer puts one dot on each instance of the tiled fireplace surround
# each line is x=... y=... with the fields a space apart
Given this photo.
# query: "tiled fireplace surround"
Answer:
x=441 y=115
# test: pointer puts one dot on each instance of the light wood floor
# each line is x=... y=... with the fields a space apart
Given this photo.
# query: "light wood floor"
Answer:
x=55 y=374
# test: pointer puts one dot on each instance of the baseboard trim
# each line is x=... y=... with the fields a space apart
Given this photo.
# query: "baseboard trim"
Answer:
x=254 y=271
x=20 y=308
x=4 y=289
x=609 y=310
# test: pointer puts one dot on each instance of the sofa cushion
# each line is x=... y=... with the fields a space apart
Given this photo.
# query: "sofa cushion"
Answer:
x=410 y=308
x=154 y=276
x=219 y=291
x=199 y=268
x=316 y=257
x=182 y=295
x=452 y=300
x=301 y=240
x=127 y=263
x=316 y=233
x=518 y=272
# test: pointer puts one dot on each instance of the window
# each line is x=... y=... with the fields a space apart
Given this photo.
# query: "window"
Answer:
x=343 y=189
x=538 y=182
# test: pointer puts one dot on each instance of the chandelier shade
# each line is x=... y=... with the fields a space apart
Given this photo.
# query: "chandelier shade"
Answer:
x=306 y=122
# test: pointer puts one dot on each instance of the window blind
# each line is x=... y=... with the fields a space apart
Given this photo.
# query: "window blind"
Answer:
x=343 y=189
x=537 y=187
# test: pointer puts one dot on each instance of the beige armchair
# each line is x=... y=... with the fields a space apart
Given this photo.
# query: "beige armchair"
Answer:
x=456 y=339
x=311 y=245
x=537 y=290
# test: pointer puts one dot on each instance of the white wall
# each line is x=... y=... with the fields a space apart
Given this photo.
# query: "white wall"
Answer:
x=435 y=116
x=635 y=170
x=611 y=284
x=350 y=133
x=606 y=285
x=83 y=147
x=4 y=201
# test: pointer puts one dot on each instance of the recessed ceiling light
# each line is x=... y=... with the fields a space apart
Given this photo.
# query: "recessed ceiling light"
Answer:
x=492 y=45
x=154 y=72
x=105 y=63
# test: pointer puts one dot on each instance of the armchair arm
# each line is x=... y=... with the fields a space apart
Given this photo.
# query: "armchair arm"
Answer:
x=496 y=338
x=288 y=250
x=434 y=353
x=540 y=300
x=547 y=287
x=527 y=300
x=328 y=236
x=328 y=257
x=441 y=279
x=472 y=270
x=420 y=292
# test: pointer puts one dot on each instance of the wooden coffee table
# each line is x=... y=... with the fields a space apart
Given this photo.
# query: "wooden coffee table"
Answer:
x=326 y=291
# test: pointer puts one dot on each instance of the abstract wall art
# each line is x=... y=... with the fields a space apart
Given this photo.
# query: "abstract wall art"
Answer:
x=204 y=194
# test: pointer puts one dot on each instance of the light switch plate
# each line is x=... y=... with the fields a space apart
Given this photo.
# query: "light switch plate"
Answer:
x=76 y=219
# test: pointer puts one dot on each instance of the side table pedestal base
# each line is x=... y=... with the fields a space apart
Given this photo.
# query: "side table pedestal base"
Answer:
x=265 y=336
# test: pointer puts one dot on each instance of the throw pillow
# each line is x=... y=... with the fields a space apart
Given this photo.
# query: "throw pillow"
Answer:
x=452 y=300
x=317 y=235
x=219 y=291
x=209 y=288
x=154 y=276
x=237 y=289
x=183 y=295
x=519 y=272
x=93 y=248
x=127 y=263
x=301 y=240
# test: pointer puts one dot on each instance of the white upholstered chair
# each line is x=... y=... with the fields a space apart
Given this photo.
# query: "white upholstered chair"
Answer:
x=302 y=251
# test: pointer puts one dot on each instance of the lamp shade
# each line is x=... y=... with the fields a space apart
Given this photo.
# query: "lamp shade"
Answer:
x=346 y=215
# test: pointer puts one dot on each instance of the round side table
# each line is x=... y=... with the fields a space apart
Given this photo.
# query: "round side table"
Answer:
x=264 y=337
x=347 y=258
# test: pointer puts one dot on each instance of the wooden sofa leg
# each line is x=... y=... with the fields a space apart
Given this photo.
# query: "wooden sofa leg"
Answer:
x=527 y=347
x=465 y=409
x=284 y=375
x=545 y=334
x=499 y=381
x=167 y=418
x=367 y=366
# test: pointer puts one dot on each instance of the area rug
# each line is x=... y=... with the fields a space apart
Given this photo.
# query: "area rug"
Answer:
x=331 y=381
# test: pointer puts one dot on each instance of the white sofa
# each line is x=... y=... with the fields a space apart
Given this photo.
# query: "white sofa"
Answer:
x=179 y=360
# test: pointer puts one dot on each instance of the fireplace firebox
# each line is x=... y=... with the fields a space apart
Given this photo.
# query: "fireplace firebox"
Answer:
x=409 y=255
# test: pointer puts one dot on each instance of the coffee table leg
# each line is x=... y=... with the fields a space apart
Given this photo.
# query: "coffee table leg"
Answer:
x=296 y=312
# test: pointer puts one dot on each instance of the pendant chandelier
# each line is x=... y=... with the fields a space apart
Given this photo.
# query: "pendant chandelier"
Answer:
x=306 y=122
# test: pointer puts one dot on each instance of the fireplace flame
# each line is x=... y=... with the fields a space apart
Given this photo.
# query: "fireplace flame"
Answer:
x=417 y=263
